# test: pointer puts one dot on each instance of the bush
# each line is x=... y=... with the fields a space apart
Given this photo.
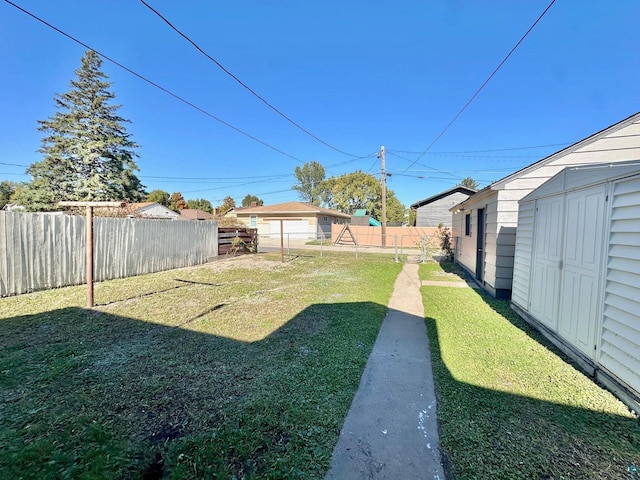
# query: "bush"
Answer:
x=445 y=242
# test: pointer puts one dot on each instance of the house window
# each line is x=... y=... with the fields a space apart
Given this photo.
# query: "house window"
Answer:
x=253 y=221
x=326 y=219
x=467 y=224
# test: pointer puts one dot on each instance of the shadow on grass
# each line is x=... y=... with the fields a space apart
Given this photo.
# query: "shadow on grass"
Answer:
x=183 y=284
x=86 y=394
x=487 y=433
x=455 y=269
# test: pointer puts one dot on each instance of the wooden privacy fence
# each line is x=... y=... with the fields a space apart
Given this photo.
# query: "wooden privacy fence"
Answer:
x=40 y=251
x=236 y=241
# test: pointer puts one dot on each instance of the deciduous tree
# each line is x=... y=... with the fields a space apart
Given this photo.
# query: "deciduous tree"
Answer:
x=200 y=204
x=159 y=196
x=227 y=204
x=177 y=202
x=309 y=177
x=359 y=190
x=249 y=199
x=7 y=189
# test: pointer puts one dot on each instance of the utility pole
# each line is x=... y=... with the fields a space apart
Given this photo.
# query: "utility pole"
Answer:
x=384 y=198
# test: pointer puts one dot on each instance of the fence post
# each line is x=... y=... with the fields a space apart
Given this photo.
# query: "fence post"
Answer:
x=423 y=250
x=395 y=244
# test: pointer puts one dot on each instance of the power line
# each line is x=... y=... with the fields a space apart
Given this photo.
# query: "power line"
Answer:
x=150 y=82
x=225 y=186
x=484 y=83
x=218 y=179
x=421 y=164
x=14 y=164
x=244 y=85
x=507 y=149
x=463 y=155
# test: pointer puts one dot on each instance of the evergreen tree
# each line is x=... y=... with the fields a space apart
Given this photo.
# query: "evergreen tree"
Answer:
x=88 y=154
x=469 y=182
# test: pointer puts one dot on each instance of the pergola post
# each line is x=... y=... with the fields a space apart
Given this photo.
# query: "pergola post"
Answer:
x=89 y=238
x=89 y=254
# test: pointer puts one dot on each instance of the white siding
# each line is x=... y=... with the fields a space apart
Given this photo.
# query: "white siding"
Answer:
x=158 y=211
x=522 y=260
x=619 y=143
x=620 y=344
x=580 y=277
x=546 y=260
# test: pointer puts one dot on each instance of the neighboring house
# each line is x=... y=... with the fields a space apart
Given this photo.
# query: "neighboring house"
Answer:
x=433 y=211
x=299 y=220
x=484 y=225
x=151 y=210
x=194 y=214
x=577 y=269
x=13 y=207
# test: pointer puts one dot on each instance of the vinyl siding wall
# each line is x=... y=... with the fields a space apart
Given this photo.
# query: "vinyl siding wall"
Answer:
x=577 y=272
x=618 y=146
x=620 y=344
x=522 y=256
x=435 y=213
x=468 y=244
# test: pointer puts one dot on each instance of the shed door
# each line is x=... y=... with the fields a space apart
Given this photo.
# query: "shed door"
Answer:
x=579 y=310
x=547 y=261
x=292 y=228
x=480 y=246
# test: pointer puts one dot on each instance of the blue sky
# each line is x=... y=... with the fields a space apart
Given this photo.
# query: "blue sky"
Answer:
x=357 y=75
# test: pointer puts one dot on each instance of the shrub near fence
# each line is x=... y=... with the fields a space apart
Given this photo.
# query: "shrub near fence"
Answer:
x=40 y=251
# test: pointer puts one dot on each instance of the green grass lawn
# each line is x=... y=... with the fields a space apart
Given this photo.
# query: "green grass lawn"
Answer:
x=510 y=406
x=239 y=369
x=445 y=272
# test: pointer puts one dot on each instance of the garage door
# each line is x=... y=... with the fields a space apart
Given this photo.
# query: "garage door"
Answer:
x=292 y=228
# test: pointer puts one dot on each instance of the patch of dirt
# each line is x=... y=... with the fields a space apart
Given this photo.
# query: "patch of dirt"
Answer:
x=258 y=262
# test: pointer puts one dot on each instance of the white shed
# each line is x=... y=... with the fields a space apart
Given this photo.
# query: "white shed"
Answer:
x=485 y=224
x=577 y=269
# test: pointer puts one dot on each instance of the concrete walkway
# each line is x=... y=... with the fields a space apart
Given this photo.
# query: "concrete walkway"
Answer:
x=391 y=429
